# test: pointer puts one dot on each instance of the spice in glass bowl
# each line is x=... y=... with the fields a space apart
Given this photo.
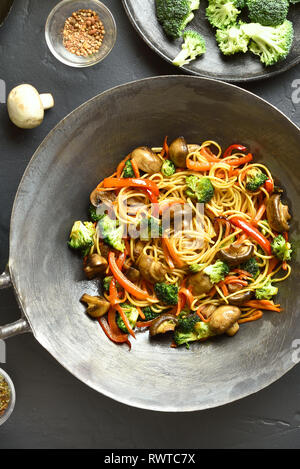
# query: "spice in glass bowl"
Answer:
x=4 y=395
x=83 y=33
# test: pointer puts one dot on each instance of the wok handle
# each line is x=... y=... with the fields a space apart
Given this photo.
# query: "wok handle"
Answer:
x=19 y=327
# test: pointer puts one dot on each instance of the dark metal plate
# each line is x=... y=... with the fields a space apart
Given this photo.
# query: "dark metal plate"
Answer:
x=239 y=68
x=5 y=6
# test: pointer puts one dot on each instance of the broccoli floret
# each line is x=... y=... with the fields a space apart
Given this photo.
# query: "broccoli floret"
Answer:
x=149 y=313
x=217 y=272
x=174 y=15
x=82 y=237
x=195 y=4
x=132 y=315
x=167 y=294
x=271 y=44
x=194 y=268
x=268 y=12
x=168 y=168
x=150 y=228
x=281 y=248
x=200 y=189
x=252 y=267
x=255 y=179
x=111 y=233
x=93 y=214
x=128 y=170
x=266 y=292
x=191 y=330
x=193 y=46
x=187 y=323
x=106 y=283
x=232 y=40
x=223 y=13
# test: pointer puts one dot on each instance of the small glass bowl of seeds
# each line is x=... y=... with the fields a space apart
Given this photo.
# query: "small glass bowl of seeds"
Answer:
x=7 y=396
x=80 y=33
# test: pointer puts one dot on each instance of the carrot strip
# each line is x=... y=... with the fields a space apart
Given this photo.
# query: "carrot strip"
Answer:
x=198 y=312
x=168 y=258
x=260 y=213
x=254 y=317
x=177 y=261
x=263 y=304
x=144 y=323
x=121 y=166
x=232 y=280
x=165 y=150
x=140 y=312
x=223 y=288
x=135 y=169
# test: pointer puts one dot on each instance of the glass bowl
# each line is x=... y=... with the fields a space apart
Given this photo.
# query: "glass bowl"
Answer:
x=55 y=25
x=12 y=402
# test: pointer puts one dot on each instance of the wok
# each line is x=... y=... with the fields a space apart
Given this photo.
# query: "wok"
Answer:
x=48 y=279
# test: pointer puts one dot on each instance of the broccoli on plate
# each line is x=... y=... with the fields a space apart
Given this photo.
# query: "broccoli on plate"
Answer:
x=191 y=329
x=281 y=248
x=266 y=292
x=200 y=189
x=217 y=271
x=255 y=179
x=193 y=46
x=132 y=315
x=268 y=12
x=232 y=40
x=82 y=237
x=128 y=170
x=167 y=293
x=223 y=13
x=150 y=228
x=252 y=267
x=93 y=214
x=111 y=233
x=168 y=168
x=149 y=313
x=174 y=15
x=270 y=43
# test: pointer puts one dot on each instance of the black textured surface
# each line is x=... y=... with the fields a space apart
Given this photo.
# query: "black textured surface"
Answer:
x=54 y=409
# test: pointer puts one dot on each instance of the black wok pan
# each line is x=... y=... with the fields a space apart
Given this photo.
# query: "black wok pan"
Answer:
x=47 y=277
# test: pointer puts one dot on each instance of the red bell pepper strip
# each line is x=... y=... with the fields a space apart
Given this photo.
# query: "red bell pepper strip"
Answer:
x=253 y=233
x=123 y=281
x=132 y=182
x=229 y=150
x=117 y=338
x=269 y=186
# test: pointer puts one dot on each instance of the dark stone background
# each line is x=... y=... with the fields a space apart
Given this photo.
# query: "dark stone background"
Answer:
x=53 y=409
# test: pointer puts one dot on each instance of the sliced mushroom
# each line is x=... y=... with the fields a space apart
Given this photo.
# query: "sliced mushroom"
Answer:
x=200 y=283
x=278 y=214
x=104 y=249
x=95 y=265
x=133 y=274
x=102 y=197
x=138 y=249
x=240 y=298
x=153 y=271
x=146 y=160
x=97 y=305
x=178 y=151
x=236 y=254
x=164 y=323
x=223 y=318
x=208 y=310
x=233 y=329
